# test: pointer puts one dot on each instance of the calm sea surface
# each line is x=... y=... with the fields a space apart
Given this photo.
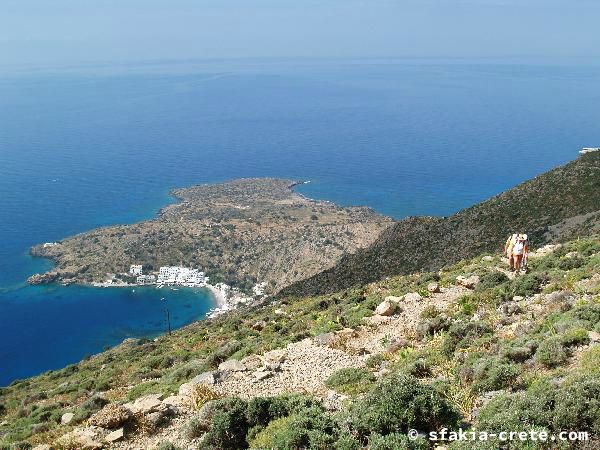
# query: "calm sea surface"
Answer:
x=94 y=146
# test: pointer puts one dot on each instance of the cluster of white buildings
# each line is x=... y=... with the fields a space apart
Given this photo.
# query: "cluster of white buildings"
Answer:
x=182 y=276
x=170 y=275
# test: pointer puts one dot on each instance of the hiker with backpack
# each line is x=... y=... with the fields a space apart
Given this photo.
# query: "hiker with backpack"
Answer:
x=520 y=250
x=508 y=250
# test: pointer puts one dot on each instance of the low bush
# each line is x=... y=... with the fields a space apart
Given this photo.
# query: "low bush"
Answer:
x=575 y=336
x=551 y=352
x=492 y=374
x=491 y=280
x=528 y=285
x=351 y=381
x=229 y=425
x=462 y=334
x=396 y=441
x=398 y=403
x=574 y=405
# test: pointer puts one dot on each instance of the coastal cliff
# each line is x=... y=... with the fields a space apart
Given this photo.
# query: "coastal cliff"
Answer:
x=239 y=232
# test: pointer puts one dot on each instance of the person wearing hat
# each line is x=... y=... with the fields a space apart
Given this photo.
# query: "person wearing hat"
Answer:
x=519 y=251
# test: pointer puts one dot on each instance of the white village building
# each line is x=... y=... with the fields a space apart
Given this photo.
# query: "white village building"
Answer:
x=135 y=269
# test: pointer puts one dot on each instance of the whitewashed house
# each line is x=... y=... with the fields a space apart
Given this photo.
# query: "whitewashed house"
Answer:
x=135 y=269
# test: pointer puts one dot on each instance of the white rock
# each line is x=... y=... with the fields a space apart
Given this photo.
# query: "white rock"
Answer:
x=487 y=258
x=115 y=436
x=385 y=308
x=594 y=336
x=433 y=287
x=468 y=282
x=393 y=299
x=207 y=378
x=145 y=404
x=262 y=374
x=232 y=365
x=67 y=418
x=413 y=297
x=278 y=355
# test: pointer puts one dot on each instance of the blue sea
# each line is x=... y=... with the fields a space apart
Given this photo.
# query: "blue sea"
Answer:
x=83 y=147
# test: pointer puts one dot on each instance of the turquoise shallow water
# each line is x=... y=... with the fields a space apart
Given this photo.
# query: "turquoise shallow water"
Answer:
x=95 y=146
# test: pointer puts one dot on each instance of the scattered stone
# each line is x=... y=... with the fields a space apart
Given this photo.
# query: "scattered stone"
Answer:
x=115 y=436
x=67 y=418
x=232 y=365
x=324 y=339
x=393 y=299
x=509 y=308
x=42 y=447
x=347 y=333
x=278 y=355
x=468 y=282
x=385 y=308
x=397 y=344
x=279 y=312
x=207 y=378
x=518 y=298
x=81 y=439
x=111 y=416
x=146 y=404
x=594 y=336
x=259 y=325
x=157 y=418
x=487 y=258
x=260 y=375
x=252 y=362
x=433 y=287
x=571 y=255
x=413 y=297
x=177 y=401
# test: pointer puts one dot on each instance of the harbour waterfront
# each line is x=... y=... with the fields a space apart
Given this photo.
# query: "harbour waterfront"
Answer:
x=86 y=148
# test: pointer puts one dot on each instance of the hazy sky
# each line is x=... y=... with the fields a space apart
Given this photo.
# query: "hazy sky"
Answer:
x=72 y=31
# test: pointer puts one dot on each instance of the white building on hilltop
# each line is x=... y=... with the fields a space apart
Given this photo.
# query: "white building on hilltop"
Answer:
x=135 y=269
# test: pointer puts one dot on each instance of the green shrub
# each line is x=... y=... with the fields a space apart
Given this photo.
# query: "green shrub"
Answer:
x=262 y=410
x=396 y=441
x=264 y=439
x=490 y=280
x=575 y=405
x=571 y=263
x=351 y=381
x=551 y=352
x=462 y=334
x=492 y=374
x=312 y=428
x=229 y=425
x=347 y=442
x=398 y=403
x=372 y=362
x=89 y=407
x=528 y=285
x=166 y=445
x=575 y=336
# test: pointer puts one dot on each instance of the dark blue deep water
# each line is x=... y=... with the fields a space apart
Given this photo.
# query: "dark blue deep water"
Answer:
x=93 y=146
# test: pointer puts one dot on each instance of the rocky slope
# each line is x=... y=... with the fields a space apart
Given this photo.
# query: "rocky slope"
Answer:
x=558 y=205
x=472 y=343
x=238 y=232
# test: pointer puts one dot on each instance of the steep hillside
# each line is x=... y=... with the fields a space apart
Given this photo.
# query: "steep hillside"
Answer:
x=472 y=346
x=558 y=205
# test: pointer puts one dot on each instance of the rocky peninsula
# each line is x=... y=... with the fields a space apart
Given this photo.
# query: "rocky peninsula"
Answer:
x=240 y=232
